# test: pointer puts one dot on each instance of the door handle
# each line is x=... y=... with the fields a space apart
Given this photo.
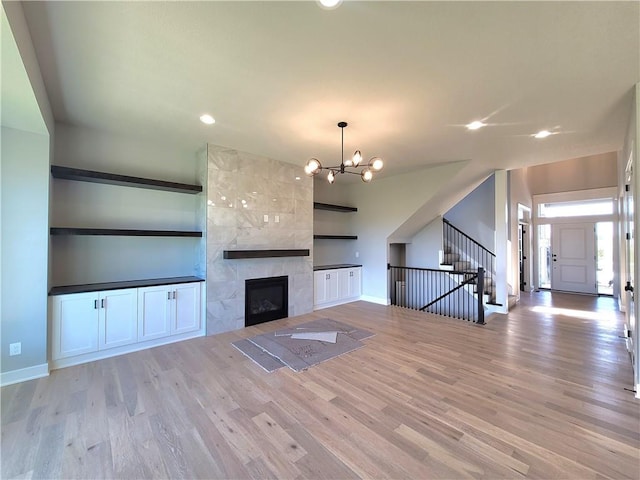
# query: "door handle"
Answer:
x=628 y=287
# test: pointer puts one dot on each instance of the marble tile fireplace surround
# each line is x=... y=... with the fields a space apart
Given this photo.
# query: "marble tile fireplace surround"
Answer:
x=255 y=203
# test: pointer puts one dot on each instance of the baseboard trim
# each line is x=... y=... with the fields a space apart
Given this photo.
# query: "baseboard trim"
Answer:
x=378 y=300
x=24 y=374
x=134 y=347
x=638 y=391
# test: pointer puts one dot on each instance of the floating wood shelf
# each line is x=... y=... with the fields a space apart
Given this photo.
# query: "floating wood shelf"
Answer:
x=242 y=254
x=123 y=232
x=67 y=173
x=98 y=287
x=335 y=237
x=333 y=208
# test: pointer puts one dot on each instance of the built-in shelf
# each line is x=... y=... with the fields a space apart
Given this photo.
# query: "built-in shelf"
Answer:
x=123 y=232
x=335 y=237
x=243 y=254
x=98 y=287
x=333 y=208
x=68 y=173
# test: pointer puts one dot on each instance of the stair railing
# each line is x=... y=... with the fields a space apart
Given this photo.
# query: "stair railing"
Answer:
x=441 y=292
x=469 y=250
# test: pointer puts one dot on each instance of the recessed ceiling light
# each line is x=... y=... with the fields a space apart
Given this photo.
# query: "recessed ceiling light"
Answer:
x=329 y=3
x=297 y=178
x=475 y=125
x=208 y=119
x=542 y=134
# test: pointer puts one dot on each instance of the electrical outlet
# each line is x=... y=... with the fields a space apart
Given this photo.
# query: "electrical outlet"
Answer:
x=15 y=349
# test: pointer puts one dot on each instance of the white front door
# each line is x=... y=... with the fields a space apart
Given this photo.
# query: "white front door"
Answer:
x=573 y=260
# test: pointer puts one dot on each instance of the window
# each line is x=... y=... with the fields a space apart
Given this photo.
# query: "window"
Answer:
x=578 y=208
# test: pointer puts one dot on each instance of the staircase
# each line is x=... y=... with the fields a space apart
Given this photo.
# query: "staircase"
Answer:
x=461 y=253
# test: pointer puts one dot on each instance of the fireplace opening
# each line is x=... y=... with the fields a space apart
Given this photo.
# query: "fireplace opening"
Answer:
x=266 y=299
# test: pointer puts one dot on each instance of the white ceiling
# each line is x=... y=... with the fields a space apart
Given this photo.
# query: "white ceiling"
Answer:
x=407 y=76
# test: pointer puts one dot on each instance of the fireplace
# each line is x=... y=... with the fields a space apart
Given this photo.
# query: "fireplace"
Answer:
x=266 y=299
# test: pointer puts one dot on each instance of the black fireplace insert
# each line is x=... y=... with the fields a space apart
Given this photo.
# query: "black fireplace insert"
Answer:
x=266 y=299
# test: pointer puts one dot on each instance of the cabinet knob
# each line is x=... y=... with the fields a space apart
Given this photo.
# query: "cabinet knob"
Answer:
x=328 y=276
x=102 y=303
x=174 y=294
x=168 y=295
x=95 y=304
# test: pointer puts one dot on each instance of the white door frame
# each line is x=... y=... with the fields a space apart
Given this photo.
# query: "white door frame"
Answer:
x=576 y=195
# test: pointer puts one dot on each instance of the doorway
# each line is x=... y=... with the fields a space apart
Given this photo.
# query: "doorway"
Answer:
x=573 y=258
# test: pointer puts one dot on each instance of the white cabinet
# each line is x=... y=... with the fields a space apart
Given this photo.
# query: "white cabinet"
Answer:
x=88 y=322
x=118 y=318
x=336 y=286
x=349 y=282
x=186 y=308
x=75 y=324
x=168 y=310
x=154 y=312
x=326 y=286
x=83 y=325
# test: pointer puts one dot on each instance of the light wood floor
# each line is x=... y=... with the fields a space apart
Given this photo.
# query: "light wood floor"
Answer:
x=537 y=394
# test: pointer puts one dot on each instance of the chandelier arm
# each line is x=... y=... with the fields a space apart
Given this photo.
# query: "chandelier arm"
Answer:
x=353 y=173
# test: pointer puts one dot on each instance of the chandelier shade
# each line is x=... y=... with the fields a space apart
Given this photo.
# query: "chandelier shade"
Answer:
x=351 y=165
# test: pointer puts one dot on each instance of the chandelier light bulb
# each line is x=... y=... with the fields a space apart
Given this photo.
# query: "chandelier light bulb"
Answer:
x=349 y=163
x=366 y=175
x=357 y=158
x=331 y=177
x=312 y=167
x=376 y=163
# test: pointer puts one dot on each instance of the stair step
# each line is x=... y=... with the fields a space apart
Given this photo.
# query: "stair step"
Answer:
x=450 y=258
x=462 y=265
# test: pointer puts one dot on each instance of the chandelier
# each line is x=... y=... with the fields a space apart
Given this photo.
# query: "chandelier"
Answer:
x=350 y=165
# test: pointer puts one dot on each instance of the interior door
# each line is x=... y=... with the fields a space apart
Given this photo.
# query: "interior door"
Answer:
x=573 y=259
x=629 y=207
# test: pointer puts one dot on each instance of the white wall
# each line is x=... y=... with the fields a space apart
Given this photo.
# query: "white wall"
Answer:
x=423 y=251
x=384 y=206
x=331 y=252
x=596 y=171
x=24 y=218
x=91 y=259
x=474 y=214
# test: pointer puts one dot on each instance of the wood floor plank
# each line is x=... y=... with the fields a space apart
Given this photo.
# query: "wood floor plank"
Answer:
x=538 y=393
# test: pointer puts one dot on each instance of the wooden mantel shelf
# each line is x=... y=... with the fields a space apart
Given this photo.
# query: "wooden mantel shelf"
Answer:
x=244 y=254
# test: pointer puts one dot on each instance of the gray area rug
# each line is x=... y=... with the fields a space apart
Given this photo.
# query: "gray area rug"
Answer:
x=277 y=349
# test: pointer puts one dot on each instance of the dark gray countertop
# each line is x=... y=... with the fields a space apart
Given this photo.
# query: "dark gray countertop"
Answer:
x=333 y=267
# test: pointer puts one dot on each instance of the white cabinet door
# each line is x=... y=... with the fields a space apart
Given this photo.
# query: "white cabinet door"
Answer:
x=75 y=324
x=332 y=285
x=354 y=283
x=154 y=312
x=319 y=287
x=118 y=318
x=186 y=309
